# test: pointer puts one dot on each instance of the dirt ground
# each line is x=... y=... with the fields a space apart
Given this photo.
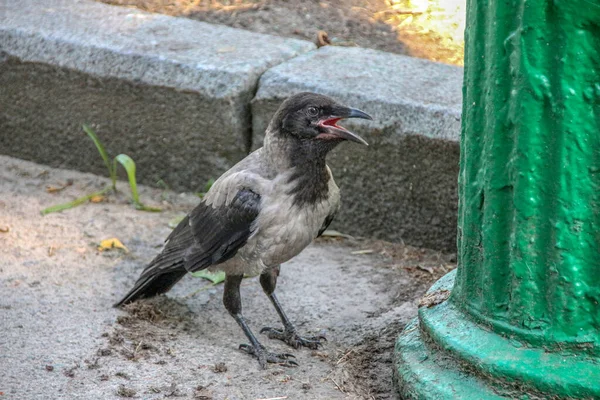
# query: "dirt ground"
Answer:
x=61 y=339
x=429 y=29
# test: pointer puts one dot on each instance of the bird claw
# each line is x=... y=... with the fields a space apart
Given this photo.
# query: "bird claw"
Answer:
x=293 y=339
x=264 y=356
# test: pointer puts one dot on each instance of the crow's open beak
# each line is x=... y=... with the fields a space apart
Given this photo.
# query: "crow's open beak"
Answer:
x=335 y=131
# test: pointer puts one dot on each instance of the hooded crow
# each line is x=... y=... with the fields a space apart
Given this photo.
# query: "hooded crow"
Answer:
x=259 y=214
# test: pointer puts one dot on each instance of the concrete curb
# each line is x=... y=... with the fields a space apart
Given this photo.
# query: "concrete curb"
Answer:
x=179 y=97
x=154 y=86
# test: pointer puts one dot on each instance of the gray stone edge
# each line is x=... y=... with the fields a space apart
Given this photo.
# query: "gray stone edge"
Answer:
x=144 y=68
x=416 y=118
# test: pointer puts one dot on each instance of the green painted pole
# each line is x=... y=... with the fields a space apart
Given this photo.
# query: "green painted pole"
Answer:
x=523 y=318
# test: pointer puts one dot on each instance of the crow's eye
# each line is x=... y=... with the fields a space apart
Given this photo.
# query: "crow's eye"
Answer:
x=312 y=111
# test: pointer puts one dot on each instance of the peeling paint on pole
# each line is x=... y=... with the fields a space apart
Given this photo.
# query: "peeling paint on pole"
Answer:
x=525 y=306
x=529 y=237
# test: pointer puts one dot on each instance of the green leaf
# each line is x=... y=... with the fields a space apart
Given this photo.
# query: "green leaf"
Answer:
x=74 y=203
x=142 y=207
x=163 y=184
x=207 y=187
x=129 y=165
x=215 y=277
x=175 y=221
x=112 y=171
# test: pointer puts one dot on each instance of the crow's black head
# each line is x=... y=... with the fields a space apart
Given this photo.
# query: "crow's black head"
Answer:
x=313 y=117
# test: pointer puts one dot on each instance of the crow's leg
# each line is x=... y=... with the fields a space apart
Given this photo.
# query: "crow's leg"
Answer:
x=268 y=281
x=233 y=303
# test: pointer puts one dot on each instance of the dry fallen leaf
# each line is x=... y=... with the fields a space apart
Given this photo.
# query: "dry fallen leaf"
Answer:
x=5 y=229
x=112 y=243
x=322 y=39
x=434 y=298
x=97 y=199
x=320 y=354
x=55 y=189
x=425 y=268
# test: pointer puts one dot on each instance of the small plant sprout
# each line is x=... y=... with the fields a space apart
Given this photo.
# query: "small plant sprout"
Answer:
x=206 y=188
x=123 y=159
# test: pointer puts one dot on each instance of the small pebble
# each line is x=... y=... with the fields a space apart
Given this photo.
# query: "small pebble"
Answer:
x=220 y=367
x=125 y=391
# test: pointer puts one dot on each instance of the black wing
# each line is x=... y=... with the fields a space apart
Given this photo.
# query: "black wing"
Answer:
x=220 y=232
x=207 y=236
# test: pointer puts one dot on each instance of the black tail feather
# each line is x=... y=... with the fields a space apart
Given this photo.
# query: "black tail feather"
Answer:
x=149 y=286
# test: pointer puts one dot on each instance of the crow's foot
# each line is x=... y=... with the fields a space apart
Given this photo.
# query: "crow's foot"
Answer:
x=293 y=339
x=264 y=356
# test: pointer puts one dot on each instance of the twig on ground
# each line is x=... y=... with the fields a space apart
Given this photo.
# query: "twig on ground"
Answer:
x=344 y=356
x=338 y=386
x=275 y=398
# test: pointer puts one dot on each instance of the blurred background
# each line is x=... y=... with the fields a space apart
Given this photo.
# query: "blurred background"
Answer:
x=431 y=29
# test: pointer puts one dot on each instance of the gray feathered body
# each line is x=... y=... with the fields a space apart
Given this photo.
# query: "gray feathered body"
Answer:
x=257 y=215
x=284 y=227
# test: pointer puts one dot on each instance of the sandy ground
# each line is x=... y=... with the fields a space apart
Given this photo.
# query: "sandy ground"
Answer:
x=61 y=339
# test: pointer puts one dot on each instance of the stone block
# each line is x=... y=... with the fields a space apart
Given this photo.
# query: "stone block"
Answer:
x=171 y=92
